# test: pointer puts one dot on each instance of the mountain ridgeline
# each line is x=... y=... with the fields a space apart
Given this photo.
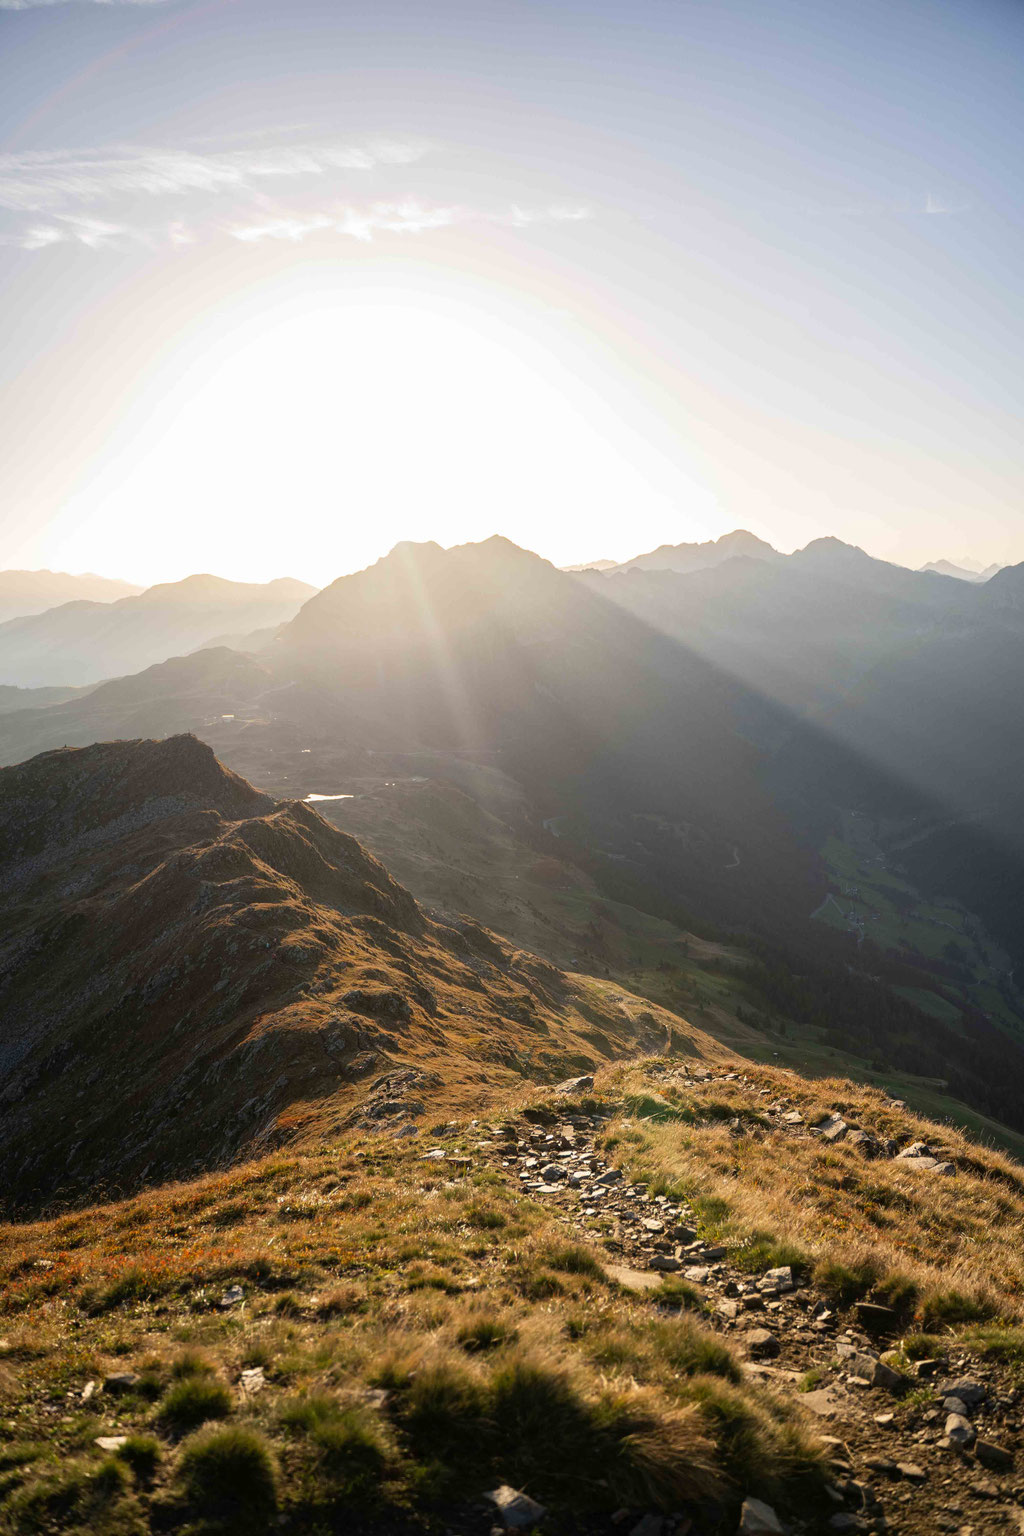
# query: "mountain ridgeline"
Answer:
x=86 y=641
x=812 y=758
x=190 y=971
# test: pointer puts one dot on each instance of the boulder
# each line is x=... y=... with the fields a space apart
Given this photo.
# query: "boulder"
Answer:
x=969 y=1391
x=916 y=1149
x=758 y=1519
x=575 y=1085
x=959 y=1431
x=762 y=1345
x=517 y=1511
x=993 y=1456
x=866 y=1368
x=781 y=1278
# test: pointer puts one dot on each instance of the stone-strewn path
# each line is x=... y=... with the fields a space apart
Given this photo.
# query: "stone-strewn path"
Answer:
x=920 y=1455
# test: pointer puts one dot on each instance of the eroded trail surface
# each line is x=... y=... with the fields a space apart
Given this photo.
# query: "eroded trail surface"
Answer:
x=931 y=1448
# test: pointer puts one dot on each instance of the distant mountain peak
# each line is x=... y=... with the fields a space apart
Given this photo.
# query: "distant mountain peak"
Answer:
x=947 y=568
x=698 y=557
x=830 y=546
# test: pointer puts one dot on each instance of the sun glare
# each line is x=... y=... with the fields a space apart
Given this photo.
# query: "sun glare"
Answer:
x=316 y=421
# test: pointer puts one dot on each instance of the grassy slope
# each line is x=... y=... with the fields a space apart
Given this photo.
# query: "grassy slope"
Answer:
x=423 y=1331
x=828 y=1202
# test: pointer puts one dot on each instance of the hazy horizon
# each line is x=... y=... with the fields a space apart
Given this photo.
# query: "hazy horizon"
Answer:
x=321 y=579
x=283 y=288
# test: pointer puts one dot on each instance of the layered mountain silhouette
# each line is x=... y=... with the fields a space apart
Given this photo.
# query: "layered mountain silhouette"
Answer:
x=697 y=557
x=695 y=736
x=965 y=569
x=899 y=694
x=84 y=642
x=190 y=970
x=25 y=592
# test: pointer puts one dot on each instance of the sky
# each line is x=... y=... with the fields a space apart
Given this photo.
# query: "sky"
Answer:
x=282 y=284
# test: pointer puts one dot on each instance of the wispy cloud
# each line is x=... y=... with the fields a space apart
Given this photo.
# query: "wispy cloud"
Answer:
x=39 y=180
x=252 y=191
x=355 y=222
x=398 y=218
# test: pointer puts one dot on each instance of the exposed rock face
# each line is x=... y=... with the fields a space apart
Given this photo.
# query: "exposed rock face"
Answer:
x=189 y=969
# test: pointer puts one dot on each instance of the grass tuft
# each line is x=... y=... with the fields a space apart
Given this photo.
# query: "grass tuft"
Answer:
x=229 y=1477
x=192 y=1401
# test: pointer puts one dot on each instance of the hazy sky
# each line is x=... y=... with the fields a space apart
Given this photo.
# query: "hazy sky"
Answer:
x=285 y=281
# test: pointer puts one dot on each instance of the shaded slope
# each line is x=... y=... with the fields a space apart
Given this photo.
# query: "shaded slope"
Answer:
x=188 y=970
x=487 y=651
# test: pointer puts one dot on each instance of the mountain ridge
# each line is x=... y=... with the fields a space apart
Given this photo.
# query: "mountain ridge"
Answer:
x=84 y=642
x=190 y=971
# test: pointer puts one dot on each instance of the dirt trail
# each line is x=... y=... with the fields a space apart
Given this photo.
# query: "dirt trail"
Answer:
x=896 y=1464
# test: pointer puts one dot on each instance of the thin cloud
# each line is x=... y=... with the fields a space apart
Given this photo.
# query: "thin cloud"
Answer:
x=43 y=180
x=271 y=188
x=396 y=218
x=352 y=222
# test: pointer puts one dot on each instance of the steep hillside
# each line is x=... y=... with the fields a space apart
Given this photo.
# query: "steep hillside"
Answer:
x=487 y=652
x=189 y=970
x=84 y=642
x=25 y=592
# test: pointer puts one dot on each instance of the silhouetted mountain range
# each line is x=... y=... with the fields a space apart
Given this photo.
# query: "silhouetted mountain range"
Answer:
x=702 y=741
x=25 y=592
x=700 y=557
x=85 y=642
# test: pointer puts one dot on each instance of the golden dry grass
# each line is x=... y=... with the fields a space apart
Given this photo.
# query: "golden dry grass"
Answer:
x=424 y=1332
x=764 y=1185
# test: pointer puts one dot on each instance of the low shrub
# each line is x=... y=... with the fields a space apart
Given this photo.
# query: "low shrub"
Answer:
x=194 y=1400
x=142 y=1453
x=346 y=1441
x=573 y=1259
x=691 y=1350
x=946 y=1309
x=898 y=1292
x=845 y=1283
x=762 y=1250
x=483 y=1333
x=229 y=1477
x=676 y=1293
x=73 y=1497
